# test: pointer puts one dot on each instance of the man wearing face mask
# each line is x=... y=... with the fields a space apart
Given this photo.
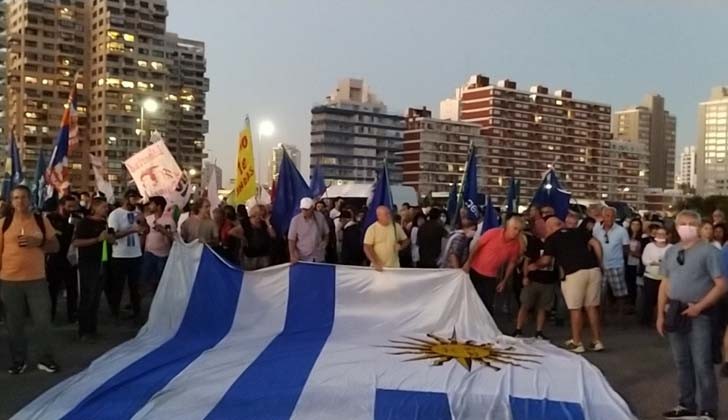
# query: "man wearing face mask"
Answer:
x=84 y=203
x=692 y=284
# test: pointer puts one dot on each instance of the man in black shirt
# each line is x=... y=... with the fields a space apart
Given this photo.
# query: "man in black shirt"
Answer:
x=538 y=291
x=61 y=274
x=429 y=240
x=580 y=256
x=352 y=252
x=90 y=239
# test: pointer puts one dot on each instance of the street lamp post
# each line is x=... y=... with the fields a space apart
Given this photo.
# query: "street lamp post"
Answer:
x=151 y=106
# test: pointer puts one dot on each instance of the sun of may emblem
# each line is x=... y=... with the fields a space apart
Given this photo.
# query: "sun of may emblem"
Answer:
x=441 y=350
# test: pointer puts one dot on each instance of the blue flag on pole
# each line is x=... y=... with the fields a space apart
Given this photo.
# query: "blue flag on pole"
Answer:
x=452 y=202
x=16 y=172
x=318 y=184
x=39 y=185
x=491 y=218
x=381 y=196
x=513 y=196
x=290 y=189
x=550 y=193
x=470 y=186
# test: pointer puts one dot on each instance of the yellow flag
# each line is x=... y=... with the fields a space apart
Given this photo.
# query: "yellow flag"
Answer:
x=245 y=184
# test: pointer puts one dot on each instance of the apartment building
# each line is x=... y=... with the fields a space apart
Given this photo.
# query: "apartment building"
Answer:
x=711 y=154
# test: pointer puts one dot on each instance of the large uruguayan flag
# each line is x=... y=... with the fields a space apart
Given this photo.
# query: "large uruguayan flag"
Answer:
x=314 y=341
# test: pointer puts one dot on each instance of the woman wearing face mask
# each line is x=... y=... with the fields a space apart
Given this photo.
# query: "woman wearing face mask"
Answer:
x=651 y=258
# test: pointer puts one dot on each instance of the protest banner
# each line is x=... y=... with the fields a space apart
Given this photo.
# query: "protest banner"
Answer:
x=154 y=171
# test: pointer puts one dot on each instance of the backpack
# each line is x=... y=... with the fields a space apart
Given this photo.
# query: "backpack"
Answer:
x=38 y=221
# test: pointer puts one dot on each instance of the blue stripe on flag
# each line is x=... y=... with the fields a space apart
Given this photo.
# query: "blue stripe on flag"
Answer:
x=392 y=404
x=271 y=385
x=532 y=409
x=207 y=319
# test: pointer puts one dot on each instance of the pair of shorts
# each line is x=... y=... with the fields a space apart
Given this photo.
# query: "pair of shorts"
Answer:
x=614 y=277
x=582 y=288
x=540 y=296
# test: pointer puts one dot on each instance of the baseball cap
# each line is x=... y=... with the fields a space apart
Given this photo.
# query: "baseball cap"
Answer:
x=306 y=203
x=132 y=193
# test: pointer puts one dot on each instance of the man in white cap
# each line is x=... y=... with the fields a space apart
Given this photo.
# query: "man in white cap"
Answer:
x=308 y=234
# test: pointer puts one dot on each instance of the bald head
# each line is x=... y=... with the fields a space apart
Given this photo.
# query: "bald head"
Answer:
x=514 y=227
x=384 y=215
x=553 y=224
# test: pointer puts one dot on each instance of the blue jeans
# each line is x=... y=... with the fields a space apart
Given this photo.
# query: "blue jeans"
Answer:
x=693 y=357
x=152 y=268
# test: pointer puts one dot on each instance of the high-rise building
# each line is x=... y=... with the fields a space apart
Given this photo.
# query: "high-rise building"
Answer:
x=275 y=160
x=651 y=124
x=711 y=159
x=3 y=73
x=125 y=59
x=687 y=175
x=210 y=170
x=435 y=151
x=352 y=134
x=629 y=178
x=529 y=131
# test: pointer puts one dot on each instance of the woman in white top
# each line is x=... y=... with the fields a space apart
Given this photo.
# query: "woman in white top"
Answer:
x=651 y=258
x=706 y=233
x=419 y=221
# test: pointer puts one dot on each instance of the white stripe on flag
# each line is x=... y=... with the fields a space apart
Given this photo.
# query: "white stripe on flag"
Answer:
x=260 y=315
x=164 y=320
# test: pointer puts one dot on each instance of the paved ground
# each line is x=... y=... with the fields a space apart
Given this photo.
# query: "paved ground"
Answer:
x=637 y=364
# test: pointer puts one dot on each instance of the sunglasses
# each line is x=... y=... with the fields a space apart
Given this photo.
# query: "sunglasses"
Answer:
x=681 y=257
x=606 y=238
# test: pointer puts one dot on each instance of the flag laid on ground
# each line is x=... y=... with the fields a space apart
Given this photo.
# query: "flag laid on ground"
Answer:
x=513 y=196
x=452 y=203
x=318 y=183
x=38 y=189
x=491 y=218
x=381 y=196
x=318 y=341
x=290 y=189
x=550 y=193
x=65 y=144
x=245 y=176
x=470 y=185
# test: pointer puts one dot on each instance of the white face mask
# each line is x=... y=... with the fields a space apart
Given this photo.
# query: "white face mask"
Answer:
x=660 y=240
x=687 y=232
x=443 y=219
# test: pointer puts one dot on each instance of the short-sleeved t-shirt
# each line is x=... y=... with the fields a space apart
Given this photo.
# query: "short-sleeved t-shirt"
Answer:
x=613 y=251
x=494 y=252
x=534 y=251
x=156 y=242
x=692 y=280
x=385 y=240
x=23 y=263
x=570 y=248
x=309 y=234
x=129 y=246
x=90 y=228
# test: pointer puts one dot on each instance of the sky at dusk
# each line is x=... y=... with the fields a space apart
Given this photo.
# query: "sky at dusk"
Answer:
x=276 y=59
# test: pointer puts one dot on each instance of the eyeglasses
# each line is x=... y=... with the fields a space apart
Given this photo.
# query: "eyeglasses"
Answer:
x=681 y=257
x=606 y=238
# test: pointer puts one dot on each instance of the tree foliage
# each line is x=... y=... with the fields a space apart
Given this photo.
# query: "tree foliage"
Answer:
x=705 y=205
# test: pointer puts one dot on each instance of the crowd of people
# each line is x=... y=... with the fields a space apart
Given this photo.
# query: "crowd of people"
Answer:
x=669 y=276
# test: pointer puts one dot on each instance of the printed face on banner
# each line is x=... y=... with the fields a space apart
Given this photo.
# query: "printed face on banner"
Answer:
x=154 y=171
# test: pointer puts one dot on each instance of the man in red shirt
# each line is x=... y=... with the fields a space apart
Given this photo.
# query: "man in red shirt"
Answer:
x=495 y=248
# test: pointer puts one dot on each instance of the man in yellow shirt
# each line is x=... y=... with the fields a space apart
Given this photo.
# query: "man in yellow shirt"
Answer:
x=383 y=240
x=24 y=240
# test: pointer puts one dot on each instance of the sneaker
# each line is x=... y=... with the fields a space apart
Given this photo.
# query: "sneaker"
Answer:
x=574 y=347
x=49 y=366
x=540 y=336
x=517 y=333
x=17 y=368
x=679 y=413
x=705 y=415
x=596 y=346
